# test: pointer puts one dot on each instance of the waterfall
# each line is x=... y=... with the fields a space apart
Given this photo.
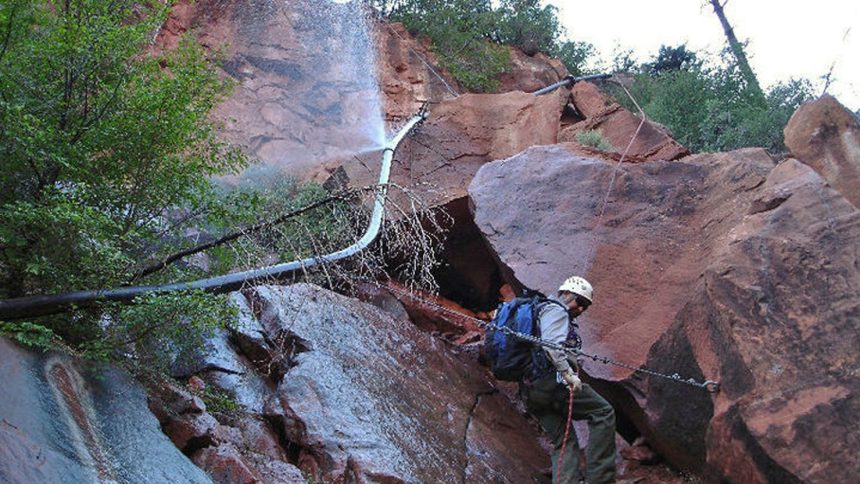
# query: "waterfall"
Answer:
x=307 y=91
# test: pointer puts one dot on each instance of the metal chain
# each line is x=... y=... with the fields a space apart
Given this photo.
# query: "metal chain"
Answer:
x=708 y=385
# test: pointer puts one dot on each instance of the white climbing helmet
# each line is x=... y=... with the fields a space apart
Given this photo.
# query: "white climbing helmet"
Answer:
x=579 y=286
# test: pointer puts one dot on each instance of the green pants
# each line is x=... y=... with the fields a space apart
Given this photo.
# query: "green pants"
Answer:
x=547 y=400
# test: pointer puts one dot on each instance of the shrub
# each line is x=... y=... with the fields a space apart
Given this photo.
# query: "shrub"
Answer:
x=468 y=35
x=594 y=139
x=576 y=56
x=527 y=26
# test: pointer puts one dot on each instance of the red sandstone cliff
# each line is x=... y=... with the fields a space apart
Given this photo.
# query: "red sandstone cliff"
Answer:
x=727 y=266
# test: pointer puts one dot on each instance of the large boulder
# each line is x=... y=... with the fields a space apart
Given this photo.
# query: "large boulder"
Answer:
x=720 y=266
x=530 y=72
x=65 y=422
x=825 y=135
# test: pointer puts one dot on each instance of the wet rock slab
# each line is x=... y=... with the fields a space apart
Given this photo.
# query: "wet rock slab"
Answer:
x=63 y=422
x=369 y=397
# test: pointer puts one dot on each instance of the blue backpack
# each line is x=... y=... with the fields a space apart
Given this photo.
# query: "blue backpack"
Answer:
x=511 y=358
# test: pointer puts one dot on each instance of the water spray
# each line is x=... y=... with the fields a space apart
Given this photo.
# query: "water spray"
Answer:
x=31 y=306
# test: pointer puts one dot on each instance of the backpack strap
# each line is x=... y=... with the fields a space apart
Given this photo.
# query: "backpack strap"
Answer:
x=540 y=303
x=557 y=303
x=573 y=331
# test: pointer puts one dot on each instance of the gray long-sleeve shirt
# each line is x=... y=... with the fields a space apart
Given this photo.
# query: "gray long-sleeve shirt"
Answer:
x=554 y=329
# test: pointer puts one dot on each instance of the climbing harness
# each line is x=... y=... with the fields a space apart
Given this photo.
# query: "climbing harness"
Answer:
x=708 y=385
x=566 y=435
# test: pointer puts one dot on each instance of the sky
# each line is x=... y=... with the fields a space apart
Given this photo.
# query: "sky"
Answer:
x=787 y=38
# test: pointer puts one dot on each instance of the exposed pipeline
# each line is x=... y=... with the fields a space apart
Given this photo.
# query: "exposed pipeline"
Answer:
x=569 y=81
x=31 y=306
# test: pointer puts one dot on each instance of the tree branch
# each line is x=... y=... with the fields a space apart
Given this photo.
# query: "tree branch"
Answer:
x=243 y=232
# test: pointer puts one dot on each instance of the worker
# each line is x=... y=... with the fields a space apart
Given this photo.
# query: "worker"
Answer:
x=546 y=397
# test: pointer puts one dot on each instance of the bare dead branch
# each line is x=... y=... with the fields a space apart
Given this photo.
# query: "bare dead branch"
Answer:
x=242 y=232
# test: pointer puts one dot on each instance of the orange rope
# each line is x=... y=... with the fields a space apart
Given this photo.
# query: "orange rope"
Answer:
x=566 y=435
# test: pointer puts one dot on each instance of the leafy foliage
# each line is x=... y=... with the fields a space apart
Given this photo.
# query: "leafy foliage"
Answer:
x=528 y=26
x=672 y=59
x=159 y=328
x=320 y=231
x=576 y=56
x=29 y=334
x=219 y=401
x=469 y=36
x=98 y=141
x=708 y=107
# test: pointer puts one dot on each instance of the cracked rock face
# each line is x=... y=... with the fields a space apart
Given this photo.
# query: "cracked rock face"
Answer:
x=723 y=266
x=370 y=398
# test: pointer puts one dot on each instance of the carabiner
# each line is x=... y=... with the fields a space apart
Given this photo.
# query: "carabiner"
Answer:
x=711 y=386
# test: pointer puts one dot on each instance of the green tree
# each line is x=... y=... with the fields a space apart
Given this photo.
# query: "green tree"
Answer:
x=103 y=144
x=672 y=59
x=738 y=50
x=576 y=56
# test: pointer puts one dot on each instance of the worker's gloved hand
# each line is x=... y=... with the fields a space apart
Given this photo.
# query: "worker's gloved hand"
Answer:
x=571 y=380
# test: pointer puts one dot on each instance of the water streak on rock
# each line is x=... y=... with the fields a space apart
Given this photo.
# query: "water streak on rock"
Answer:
x=67 y=386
